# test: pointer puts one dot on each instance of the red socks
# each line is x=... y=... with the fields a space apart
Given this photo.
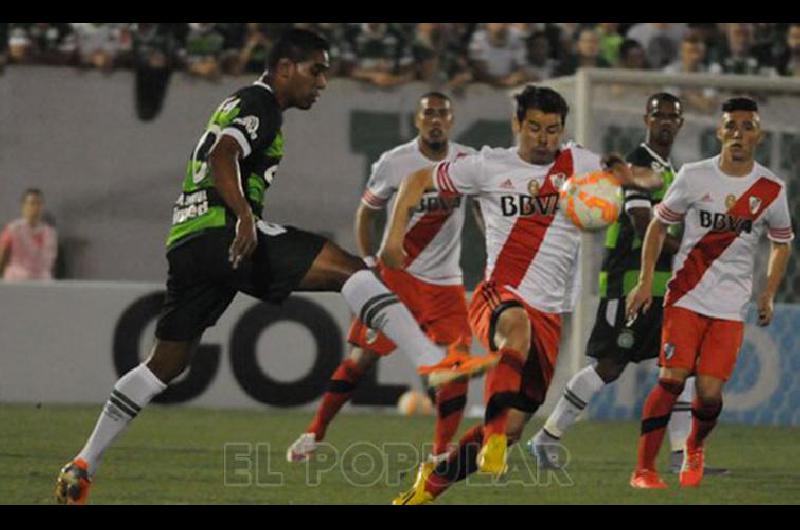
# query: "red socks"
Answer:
x=704 y=418
x=450 y=402
x=460 y=464
x=655 y=416
x=503 y=382
x=340 y=388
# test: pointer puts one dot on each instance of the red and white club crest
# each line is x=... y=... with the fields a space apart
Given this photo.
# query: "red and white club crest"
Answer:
x=755 y=204
x=557 y=179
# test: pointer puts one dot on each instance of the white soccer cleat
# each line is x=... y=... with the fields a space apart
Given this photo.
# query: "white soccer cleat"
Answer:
x=302 y=448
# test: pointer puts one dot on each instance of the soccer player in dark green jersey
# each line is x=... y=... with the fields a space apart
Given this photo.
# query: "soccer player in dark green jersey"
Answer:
x=615 y=342
x=219 y=245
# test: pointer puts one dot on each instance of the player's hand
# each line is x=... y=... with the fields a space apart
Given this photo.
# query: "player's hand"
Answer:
x=639 y=299
x=393 y=256
x=245 y=241
x=628 y=175
x=765 y=309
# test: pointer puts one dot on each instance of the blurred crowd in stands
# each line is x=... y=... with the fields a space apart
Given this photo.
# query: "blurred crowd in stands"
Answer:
x=385 y=54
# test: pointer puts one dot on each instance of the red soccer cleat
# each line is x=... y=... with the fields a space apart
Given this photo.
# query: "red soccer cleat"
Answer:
x=692 y=471
x=647 y=479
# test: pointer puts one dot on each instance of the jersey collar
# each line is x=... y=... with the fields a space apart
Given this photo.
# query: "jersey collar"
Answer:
x=665 y=163
x=262 y=84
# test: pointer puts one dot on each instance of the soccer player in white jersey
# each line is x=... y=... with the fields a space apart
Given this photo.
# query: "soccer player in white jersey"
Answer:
x=726 y=204
x=532 y=253
x=431 y=285
x=614 y=342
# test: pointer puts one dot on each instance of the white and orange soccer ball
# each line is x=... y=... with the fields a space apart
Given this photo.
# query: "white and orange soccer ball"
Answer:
x=592 y=201
x=414 y=403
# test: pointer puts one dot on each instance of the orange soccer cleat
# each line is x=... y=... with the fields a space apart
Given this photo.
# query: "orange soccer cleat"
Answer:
x=73 y=484
x=692 y=471
x=647 y=479
x=457 y=366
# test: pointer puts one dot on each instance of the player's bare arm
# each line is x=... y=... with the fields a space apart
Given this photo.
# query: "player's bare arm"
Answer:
x=778 y=258
x=641 y=296
x=409 y=194
x=640 y=218
x=223 y=161
x=364 y=227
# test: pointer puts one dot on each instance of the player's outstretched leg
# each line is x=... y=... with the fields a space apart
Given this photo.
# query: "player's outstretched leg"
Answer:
x=340 y=388
x=655 y=416
x=706 y=408
x=130 y=395
x=380 y=309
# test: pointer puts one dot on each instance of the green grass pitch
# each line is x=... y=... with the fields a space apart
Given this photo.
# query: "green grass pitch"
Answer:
x=178 y=456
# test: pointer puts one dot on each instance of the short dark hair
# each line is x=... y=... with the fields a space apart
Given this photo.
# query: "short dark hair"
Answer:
x=739 y=103
x=31 y=191
x=663 y=96
x=297 y=45
x=542 y=98
x=435 y=94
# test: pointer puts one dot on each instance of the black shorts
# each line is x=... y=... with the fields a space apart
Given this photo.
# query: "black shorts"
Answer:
x=611 y=338
x=201 y=282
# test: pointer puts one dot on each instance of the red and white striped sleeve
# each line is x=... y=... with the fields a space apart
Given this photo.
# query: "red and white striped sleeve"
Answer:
x=379 y=186
x=460 y=176
x=673 y=208
x=779 y=220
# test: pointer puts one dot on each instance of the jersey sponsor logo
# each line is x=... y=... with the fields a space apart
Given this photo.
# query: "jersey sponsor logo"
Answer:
x=507 y=185
x=526 y=206
x=438 y=204
x=250 y=124
x=190 y=206
x=720 y=222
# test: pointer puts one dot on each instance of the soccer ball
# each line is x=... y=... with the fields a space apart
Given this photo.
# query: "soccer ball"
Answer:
x=414 y=402
x=592 y=201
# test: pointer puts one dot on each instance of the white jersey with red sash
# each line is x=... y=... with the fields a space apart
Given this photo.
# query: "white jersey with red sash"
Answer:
x=724 y=219
x=433 y=238
x=531 y=247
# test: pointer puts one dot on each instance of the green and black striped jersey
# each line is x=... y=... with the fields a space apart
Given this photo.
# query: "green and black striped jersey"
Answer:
x=622 y=259
x=253 y=118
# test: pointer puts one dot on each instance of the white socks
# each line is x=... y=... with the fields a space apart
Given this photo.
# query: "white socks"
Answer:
x=131 y=393
x=680 y=422
x=379 y=308
x=578 y=393
x=585 y=384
